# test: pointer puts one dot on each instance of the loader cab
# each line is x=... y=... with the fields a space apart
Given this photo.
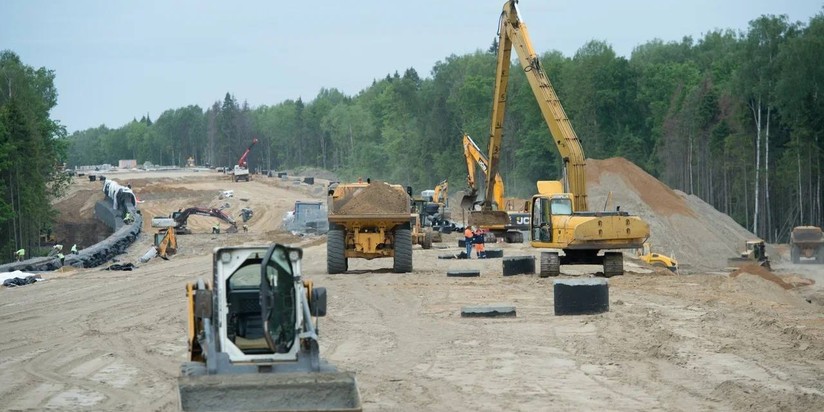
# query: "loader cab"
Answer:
x=247 y=278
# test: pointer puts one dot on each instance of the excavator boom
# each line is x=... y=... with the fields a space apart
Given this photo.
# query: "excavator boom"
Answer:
x=495 y=190
x=513 y=33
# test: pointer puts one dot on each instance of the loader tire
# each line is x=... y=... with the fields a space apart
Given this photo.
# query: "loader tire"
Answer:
x=795 y=254
x=427 y=240
x=581 y=296
x=613 y=264
x=403 y=251
x=550 y=264
x=192 y=369
x=335 y=252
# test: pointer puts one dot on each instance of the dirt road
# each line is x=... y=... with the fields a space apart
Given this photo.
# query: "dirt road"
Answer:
x=99 y=340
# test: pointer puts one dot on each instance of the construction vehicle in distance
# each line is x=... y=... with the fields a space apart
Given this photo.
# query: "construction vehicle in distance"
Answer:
x=179 y=219
x=807 y=244
x=657 y=259
x=368 y=221
x=307 y=217
x=253 y=343
x=755 y=252
x=559 y=217
x=241 y=170
x=166 y=243
x=501 y=217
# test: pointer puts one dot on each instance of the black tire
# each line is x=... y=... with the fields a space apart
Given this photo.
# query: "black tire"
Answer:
x=795 y=254
x=336 y=261
x=581 y=296
x=463 y=273
x=462 y=242
x=403 y=251
x=550 y=264
x=427 y=240
x=517 y=265
x=613 y=264
x=514 y=237
x=494 y=253
x=192 y=369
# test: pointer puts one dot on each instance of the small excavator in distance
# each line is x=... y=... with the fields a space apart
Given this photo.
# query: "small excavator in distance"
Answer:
x=504 y=217
x=179 y=219
x=559 y=217
x=241 y=171
x=253 y=338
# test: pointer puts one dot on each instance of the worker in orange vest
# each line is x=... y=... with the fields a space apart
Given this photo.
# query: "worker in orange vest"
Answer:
x=468 y=235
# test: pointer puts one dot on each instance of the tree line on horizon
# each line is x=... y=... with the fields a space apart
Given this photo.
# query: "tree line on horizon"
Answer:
x=734 y=118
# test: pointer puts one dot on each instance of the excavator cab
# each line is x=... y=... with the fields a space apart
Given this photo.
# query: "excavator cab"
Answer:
x=253 y=343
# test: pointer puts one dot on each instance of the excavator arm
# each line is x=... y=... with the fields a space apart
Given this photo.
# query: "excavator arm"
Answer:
x=182 y=217
x=513 y=34
x=441 y=192
x=474 y=156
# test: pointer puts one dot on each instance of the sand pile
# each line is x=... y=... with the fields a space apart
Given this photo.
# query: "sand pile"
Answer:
x=682 y=226
x=376 y=198
x=761 y=272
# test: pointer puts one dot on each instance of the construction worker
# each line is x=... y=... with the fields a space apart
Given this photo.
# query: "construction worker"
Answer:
x=468 y=235
x=55 y=250
x=216 y=228
x=74 y=249
x=128 y=219
x=20 y=254
x=62 y=258
x=478 y=242
x=245 y=228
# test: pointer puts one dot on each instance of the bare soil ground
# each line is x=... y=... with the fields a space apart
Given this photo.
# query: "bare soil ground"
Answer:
x=98 y=340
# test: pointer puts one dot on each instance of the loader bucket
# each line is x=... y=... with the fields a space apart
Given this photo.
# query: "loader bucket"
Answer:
x=294 y=391
x=488 y=218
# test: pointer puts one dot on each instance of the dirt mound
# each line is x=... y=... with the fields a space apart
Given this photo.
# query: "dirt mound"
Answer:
x=681 y=226
x=375 y=198
x=762 y=273
x=748 y=287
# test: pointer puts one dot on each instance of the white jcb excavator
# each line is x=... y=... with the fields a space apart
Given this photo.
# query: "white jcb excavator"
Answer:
x=253 y=344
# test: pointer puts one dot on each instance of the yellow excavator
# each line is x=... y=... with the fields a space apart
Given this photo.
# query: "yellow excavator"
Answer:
x=503 y=217
x=559 y=217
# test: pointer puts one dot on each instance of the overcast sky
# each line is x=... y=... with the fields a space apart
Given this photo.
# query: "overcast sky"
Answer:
x=117 y=60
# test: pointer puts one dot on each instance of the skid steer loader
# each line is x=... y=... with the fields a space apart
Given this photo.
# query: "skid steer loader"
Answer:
x=253 y=344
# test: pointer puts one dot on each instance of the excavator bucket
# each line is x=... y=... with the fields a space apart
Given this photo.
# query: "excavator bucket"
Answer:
x=468 y=199
x=298 y=391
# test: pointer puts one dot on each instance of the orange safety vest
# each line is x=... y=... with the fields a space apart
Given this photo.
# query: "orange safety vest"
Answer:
x=468 y=233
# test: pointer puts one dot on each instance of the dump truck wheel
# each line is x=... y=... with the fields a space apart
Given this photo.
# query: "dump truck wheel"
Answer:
x=795 y=254
x=517 y=265
x=427 y=240
x=550 y=264
x=403 y=251
x=613 y=264
x=581 y=296
x=335 y=252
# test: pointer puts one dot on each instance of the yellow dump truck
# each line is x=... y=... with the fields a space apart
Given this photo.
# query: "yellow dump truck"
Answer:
x=368 y=221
